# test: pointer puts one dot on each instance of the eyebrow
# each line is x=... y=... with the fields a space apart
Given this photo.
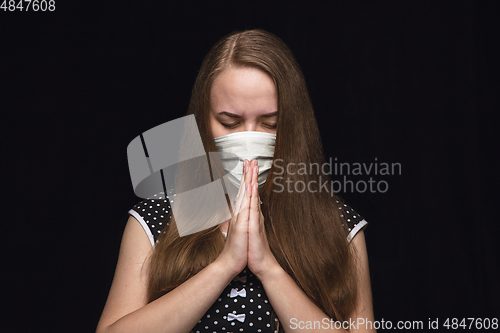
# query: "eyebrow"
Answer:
x=234 y=115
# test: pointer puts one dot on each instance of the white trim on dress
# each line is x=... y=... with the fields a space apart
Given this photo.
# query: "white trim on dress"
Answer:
x=144 y=226
x=356 y=229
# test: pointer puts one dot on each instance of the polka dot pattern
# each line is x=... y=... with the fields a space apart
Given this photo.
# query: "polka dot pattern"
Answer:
x=154 y=214
x=243 y=305
x=352 y=220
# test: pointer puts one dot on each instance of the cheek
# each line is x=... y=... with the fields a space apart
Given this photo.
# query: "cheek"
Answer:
x=216 y=128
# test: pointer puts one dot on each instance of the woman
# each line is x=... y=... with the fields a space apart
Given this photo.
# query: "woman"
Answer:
x=291 y=261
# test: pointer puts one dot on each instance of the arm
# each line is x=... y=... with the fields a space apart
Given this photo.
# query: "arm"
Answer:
x=126 y=309
x=285 y=295
x=289 y=302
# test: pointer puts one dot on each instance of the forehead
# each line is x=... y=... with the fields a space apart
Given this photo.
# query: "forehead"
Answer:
x=243 y=89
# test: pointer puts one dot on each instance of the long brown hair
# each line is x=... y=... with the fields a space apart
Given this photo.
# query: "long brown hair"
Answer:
x=304 y=229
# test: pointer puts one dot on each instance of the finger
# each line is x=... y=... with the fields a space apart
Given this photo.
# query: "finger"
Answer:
x=237 y=202
x=244 y=182
x=255 y=173
x=255 y=180
x=241 y=191
x=248 y=176
x=258 y=203
x=245 y=193
x=240 y=221
x=254 y=215
x=244 y=213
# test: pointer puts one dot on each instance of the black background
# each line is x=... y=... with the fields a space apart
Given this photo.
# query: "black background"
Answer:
x=409 y=82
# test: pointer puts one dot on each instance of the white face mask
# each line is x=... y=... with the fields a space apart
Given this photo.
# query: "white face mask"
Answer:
x=234 y=148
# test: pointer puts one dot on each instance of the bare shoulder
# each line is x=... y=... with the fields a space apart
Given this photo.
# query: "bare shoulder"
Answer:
x=359 y=242
x=135 y=238
x=129 y=288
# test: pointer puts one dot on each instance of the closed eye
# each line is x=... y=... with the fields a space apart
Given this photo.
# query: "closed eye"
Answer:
x=234 y=125
x=229 y=125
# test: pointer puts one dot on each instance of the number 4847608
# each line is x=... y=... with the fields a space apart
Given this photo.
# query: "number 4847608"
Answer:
x=477 y=323
x=27 y=5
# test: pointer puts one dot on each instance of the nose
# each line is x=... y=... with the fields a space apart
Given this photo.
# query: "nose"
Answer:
x=250 y=126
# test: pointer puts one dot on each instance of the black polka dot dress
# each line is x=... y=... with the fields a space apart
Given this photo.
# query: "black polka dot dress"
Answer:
x=243 y=306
